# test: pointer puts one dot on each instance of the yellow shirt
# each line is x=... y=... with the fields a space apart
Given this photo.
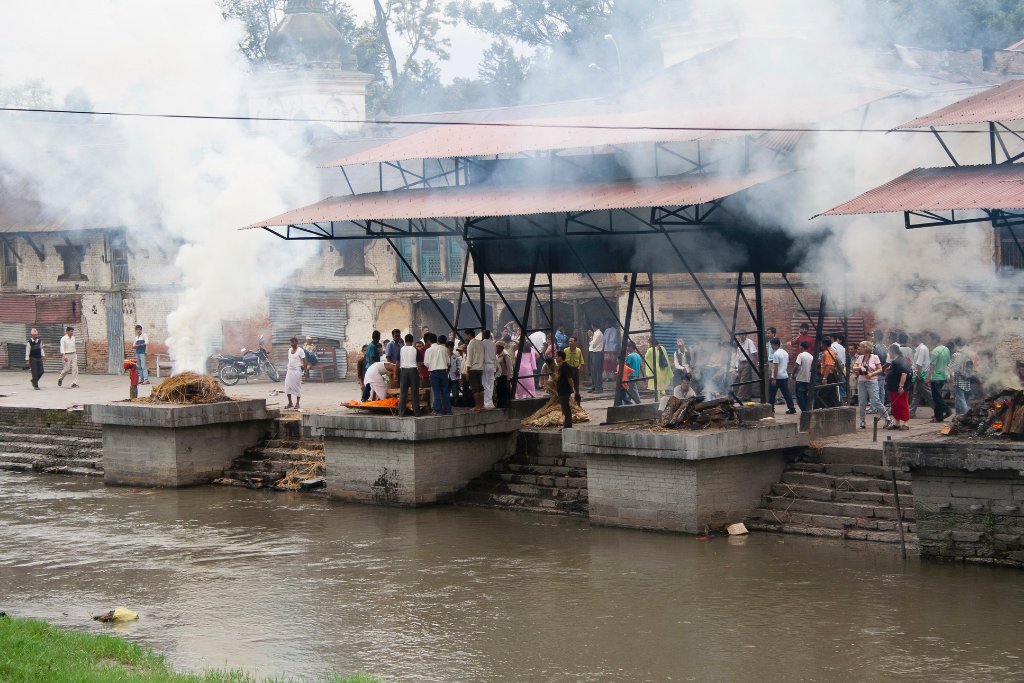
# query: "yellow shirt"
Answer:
x=574 y=358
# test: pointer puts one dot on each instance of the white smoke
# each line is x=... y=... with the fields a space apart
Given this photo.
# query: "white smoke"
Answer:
x=198 y=181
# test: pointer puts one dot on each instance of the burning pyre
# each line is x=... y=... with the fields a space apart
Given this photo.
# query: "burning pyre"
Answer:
x=1001 y=414
x=696 y=413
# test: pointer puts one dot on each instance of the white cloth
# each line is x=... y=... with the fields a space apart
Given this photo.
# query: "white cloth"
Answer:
x=804 y=363
x=293 y=380
x=488 y=381
x=375 y=377
x=490 y=351
x=611 y=340
x=780 y=357
x=538 y=339
x=295 y=358
x=408 y=357
x=750 y=347
x=436 y=358
x=455 y=367
x=840 y=352
x=597 y=342
x=67 y=344
x=475 y=355
x=922 y=357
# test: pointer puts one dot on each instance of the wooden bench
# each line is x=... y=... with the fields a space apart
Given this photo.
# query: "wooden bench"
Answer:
x=326 y=370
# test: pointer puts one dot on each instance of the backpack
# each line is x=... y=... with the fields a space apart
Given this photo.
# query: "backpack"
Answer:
x=311 y=357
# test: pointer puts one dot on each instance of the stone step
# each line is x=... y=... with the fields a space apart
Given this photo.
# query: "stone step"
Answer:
x=551 y=470
x=876 y=471
x=512 y=501
x=821 y=493
x=15 y=466
x=74 y=471
x=80 y=432
x=836 y=509
x=286 y=454
x=850 y=534
x=852 y=455
x=46 y=450
x=289 y=444
x=544 y=480
x=766 y=515
x=850 y=483
x=246 y=474
x=50 y=439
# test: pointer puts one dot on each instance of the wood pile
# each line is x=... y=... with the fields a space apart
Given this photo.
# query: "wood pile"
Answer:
x=186 y=388
x=1001 y=414
x=696 y=413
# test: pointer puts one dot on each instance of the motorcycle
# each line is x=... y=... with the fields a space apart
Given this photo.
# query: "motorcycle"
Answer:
x=249 y=365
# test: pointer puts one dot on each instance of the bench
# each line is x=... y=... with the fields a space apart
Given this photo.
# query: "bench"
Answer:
x=164 y=360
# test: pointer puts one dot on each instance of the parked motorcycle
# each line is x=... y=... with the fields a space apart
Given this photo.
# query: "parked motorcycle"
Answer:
x=249 y=365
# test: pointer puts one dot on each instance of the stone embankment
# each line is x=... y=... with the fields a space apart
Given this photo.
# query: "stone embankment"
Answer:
x=838 y=492
x=49 y=441
x=538 y=477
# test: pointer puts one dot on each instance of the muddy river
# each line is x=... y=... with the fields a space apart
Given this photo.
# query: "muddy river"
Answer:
x=290 y=585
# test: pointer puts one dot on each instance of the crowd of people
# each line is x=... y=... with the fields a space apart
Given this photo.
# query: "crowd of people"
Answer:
x=891 y=378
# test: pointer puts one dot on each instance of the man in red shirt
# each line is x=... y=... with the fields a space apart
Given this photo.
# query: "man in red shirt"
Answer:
x=805 y=336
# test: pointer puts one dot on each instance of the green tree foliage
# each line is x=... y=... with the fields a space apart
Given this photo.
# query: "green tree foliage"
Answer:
x=951 y=24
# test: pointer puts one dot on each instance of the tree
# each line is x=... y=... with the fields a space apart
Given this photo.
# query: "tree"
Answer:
x=503 y=72
x=952 y=24
x=418 y=24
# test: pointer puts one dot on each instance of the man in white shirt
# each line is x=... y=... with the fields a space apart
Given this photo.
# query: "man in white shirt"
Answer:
x=922 y=364
x=376 y=378
x=141 y=342
x=780 y=375
x=839 y=347
x=475 y=368
x=745 y=368
x=69 y=354
x=804 y=367
x=438 y=361
x=408 y=378
x=490 y=353
x=596 y=360
x=611 y=349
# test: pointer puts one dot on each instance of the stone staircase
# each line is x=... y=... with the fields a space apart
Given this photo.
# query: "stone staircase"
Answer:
x=838 y=492
x=74 y=450
x=538 y=477
x=285 y=449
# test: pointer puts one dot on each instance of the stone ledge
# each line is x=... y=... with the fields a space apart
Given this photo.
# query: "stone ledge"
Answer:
x=684 y=445
x=952 y=453
x=822 y=422
x=170 y=416
x=348 y=426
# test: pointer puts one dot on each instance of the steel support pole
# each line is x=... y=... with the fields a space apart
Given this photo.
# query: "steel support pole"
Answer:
x=815 y=371
x=623 y=339
x=762 y=356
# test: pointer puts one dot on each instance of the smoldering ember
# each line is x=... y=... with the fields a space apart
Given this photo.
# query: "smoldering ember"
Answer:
x=365 y=339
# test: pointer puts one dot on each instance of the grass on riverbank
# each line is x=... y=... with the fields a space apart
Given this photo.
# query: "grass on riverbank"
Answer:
x=34 y=651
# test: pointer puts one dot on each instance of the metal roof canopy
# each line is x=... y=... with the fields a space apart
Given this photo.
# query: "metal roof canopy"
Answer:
x=1004 y=102
x=922 y=194
x=380 y=214
x=456 y=140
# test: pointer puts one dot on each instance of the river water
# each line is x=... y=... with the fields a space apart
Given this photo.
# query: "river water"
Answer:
x=283 y=584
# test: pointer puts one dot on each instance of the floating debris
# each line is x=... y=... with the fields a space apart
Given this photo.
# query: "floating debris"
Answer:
x=117 y=615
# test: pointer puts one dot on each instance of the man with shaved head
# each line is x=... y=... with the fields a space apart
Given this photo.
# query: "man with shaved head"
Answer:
x=34 y=356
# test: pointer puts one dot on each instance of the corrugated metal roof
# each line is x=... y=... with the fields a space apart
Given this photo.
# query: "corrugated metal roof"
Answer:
x=1004 y=102
x=470 y=201
x=600 y=130
x=943 y=189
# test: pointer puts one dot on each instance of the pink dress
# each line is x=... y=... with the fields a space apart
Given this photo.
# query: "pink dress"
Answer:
x=527 y=368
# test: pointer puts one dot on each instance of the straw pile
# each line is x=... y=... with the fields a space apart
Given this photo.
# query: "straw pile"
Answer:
x=551 y=414
x=187 y=387
x=302 y=471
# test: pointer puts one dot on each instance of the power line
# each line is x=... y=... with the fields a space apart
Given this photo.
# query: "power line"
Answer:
x=491 y=124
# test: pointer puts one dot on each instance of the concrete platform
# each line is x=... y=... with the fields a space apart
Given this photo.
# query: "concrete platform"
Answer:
x=680 y=481
x=968 y=496
x=176 y=445
x=409 y=461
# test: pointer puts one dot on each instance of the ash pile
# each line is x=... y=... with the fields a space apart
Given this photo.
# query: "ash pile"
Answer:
x=695 y=413
x=1001 y=414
